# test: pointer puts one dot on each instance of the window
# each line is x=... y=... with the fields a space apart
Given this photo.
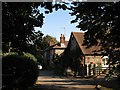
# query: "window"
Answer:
x=105 y=60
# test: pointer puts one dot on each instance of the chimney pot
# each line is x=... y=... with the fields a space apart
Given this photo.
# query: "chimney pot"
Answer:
x=62 y=39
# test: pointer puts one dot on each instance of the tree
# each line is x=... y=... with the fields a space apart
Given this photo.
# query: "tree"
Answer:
x=19 y=20
x=35 y=46
x=101 y=22
x=18 y=24
x=47 y=39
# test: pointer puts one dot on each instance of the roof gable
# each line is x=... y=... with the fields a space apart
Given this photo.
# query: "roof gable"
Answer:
x=79 y=37
x=56 y=46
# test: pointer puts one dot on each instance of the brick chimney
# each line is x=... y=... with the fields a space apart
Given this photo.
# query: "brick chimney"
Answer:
x=62 y=40
x=51 y=42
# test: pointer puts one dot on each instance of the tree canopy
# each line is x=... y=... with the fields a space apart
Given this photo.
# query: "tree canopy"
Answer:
x=46 y=41
x=18 y=23
x=101 y=21
x=19 y=20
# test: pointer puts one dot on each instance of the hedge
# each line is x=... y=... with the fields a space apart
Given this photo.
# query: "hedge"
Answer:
x=18 y=71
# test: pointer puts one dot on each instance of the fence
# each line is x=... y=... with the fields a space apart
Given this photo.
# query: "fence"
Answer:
x=98 y=70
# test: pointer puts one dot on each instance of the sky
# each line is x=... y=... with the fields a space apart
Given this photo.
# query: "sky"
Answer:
x=57 y=23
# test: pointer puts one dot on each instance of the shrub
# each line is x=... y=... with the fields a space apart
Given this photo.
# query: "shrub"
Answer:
x=11 y=53
x=18 y=71
x=23 y=54
x=28 y=55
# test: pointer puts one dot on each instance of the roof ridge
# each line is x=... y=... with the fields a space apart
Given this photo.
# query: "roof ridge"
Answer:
x=77 y=40
x=77 y=32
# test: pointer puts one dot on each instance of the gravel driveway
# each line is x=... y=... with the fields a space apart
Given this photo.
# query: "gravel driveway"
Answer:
x=47 y=80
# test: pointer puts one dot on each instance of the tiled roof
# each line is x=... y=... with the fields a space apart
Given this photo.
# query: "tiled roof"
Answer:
x=50 y=47
x=56 y=46
x=79 y=36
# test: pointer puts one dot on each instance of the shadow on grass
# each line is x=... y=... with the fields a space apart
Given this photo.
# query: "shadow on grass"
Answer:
x=113 y=84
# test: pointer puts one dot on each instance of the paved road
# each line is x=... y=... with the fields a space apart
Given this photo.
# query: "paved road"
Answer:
x=49 y=81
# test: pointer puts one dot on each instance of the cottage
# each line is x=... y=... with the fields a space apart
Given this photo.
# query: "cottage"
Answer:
x=80 y=58
x=54 y=50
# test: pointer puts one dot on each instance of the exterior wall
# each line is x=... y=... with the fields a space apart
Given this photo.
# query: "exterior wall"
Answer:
x=48 y=55
x=52 y=52
x=96 y=60
x=93 y=59
x=59 y=51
